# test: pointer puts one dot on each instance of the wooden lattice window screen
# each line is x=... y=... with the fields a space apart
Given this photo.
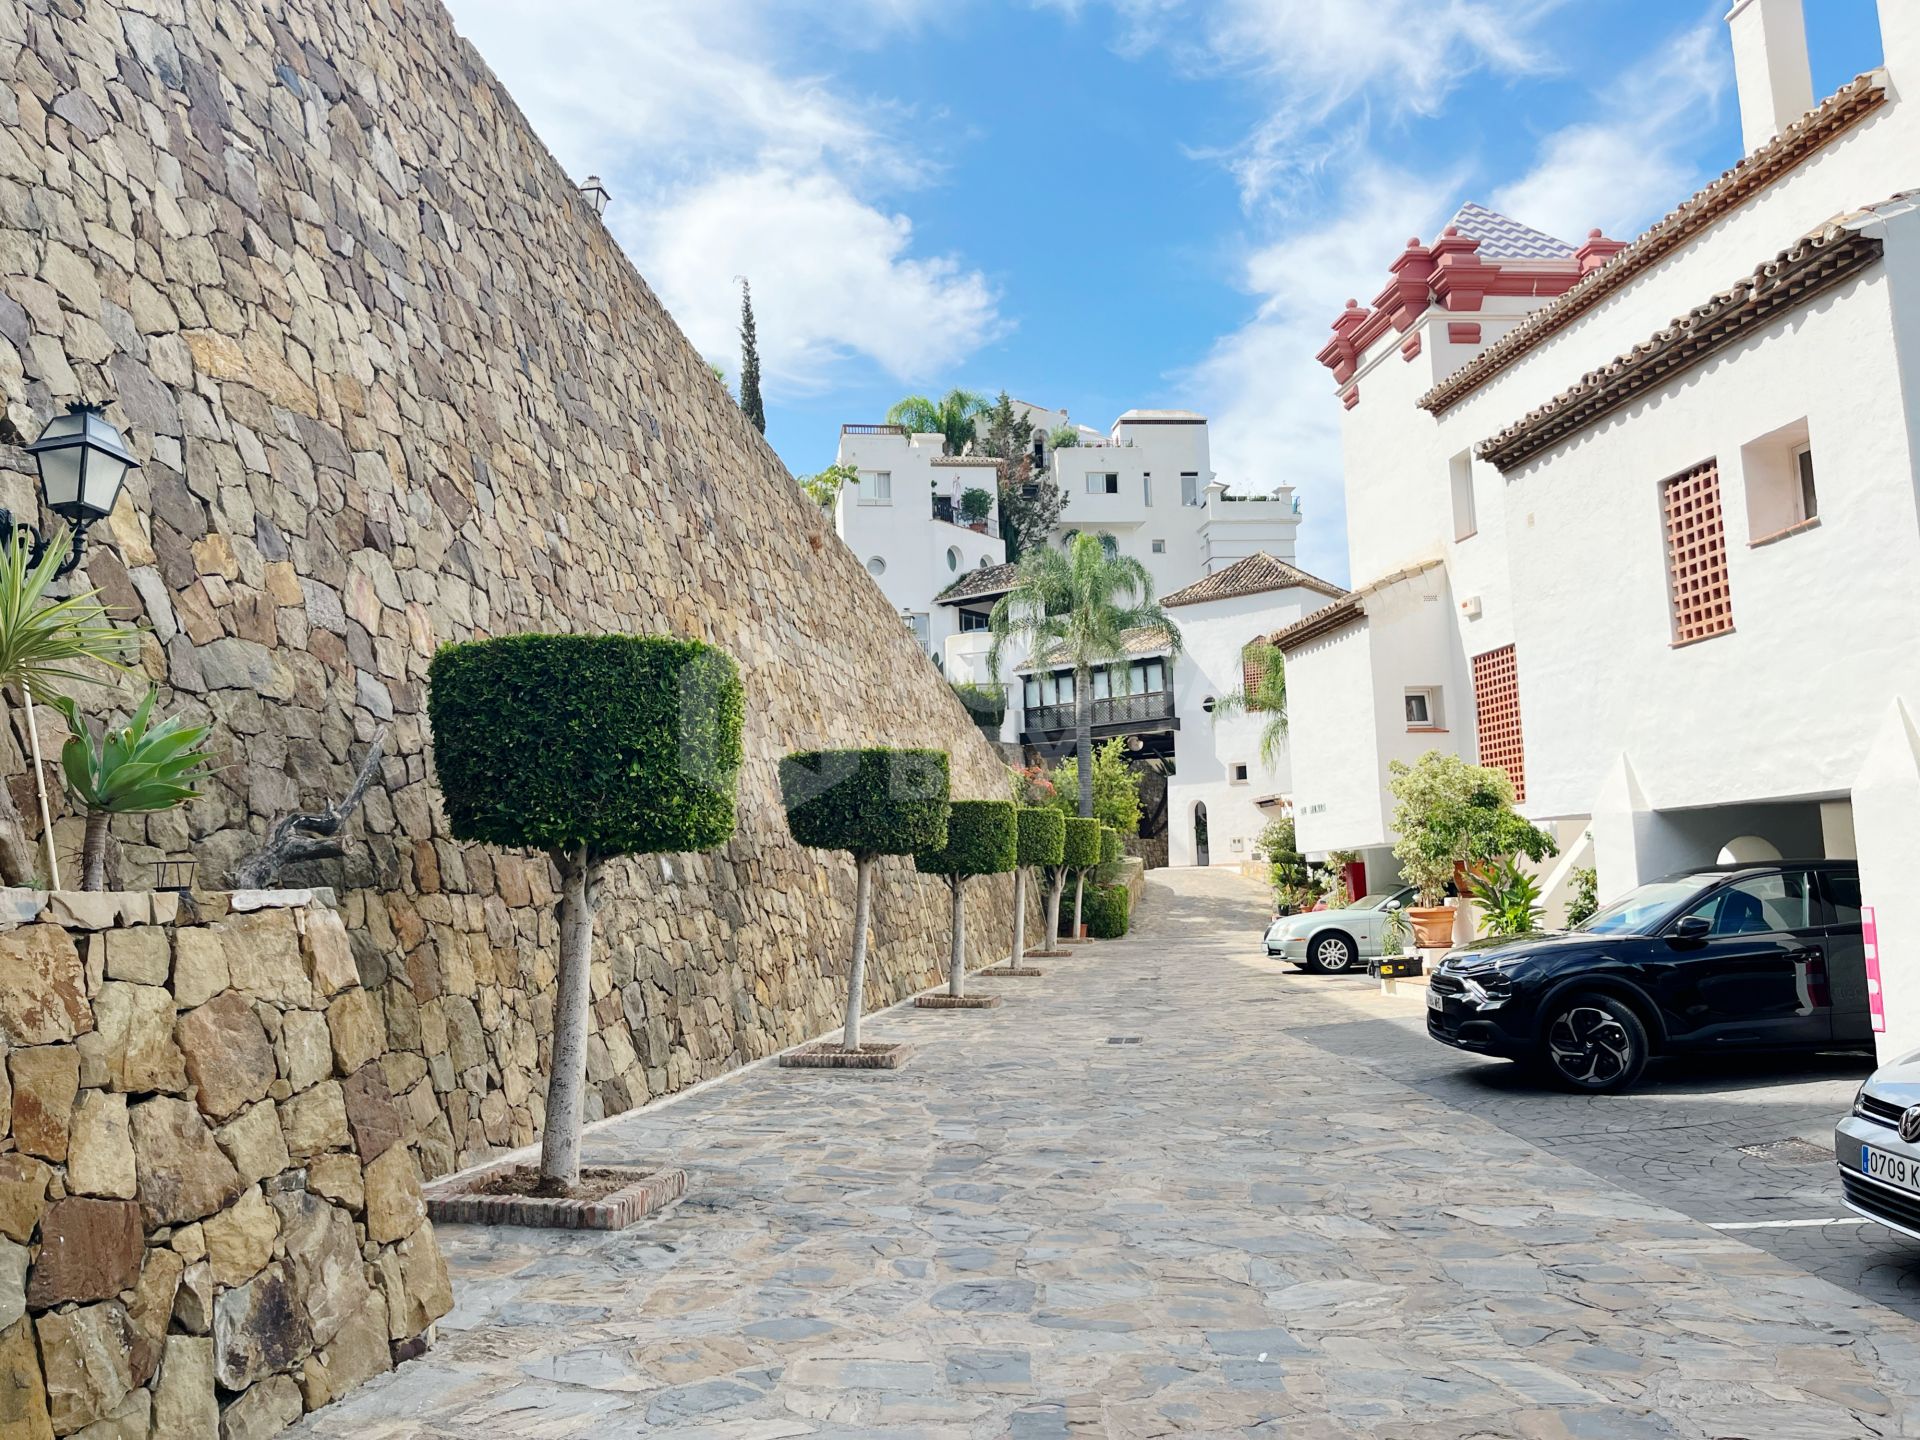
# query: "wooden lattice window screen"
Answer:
x=1697 y=555
x=1253 y=672
x=1496 y=699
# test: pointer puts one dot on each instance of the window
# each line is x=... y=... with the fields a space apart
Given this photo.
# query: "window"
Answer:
x=919 y=625
x=1238 y=773
x=877 y=488
x=1423 y=708
x=1464 y=521
x=1696 y=555
x=1781 y=496
x=1843 y=897
x=1189 y=487
x=1146 y=489
x=1496 y=696
x=1159 y=547
x=953 y=557
x=1253 y=671
x=972 y=622
x=876 y=566
x=1761 y=905
x=1103 y=484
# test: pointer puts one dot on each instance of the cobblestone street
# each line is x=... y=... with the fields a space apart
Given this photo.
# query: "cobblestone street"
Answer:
x=1171 y=1188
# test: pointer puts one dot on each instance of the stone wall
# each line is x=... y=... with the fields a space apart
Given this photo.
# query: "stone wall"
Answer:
x=394 y=385
x=209 y=1219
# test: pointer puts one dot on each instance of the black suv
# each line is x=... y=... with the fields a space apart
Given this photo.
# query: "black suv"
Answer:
x=1727 y=957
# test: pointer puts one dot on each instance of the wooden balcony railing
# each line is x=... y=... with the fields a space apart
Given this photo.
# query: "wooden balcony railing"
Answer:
x=1118 y=710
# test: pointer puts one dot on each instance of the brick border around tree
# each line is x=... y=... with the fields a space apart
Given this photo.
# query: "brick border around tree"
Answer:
x=956 y=1002
x=827 y=1055
x=452 y=1202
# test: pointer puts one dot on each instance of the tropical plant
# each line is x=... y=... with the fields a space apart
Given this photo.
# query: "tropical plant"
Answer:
x=1266 y=696
x=750 y=400
x=132 y=769
x=587 y=747
x=1063 y=437
x=1116 y=787
x=1396 y=929
x=1449 y=814
x=1030 y=504
x=43 y=643
x=1042 y=841
x=952 y=415
x=1586 y=896
x=1081 y=609
x=869 y=803
x=824 y=487
x=975 y=504
x=1509 y=899
x=982 y=839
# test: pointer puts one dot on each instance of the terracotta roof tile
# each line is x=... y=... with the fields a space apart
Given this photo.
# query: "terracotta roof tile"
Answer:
x=978 y=584
x=1251 y=576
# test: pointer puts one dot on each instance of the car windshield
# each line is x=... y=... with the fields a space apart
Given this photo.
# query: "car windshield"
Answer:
x=1375 y=902
x=1640 y=909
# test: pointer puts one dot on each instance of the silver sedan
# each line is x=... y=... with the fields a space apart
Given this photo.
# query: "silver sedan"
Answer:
x=1877 y=1148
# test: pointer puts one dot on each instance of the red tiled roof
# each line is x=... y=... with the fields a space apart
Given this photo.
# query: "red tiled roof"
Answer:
x=1251 y=576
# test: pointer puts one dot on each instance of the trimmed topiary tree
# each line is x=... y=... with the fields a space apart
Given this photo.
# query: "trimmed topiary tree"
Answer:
x=982 y=839
x=869 y=803
x=1043 y=839
x=587 y=747
x=1081 y=854
x=1108 y=911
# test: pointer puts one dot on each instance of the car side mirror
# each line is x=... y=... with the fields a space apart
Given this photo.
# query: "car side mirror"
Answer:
x=1393 y=905
x=1692 y=927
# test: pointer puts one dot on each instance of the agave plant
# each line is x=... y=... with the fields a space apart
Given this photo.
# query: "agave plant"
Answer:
x=129 y=770
x=1509 y=898
x=42 y=642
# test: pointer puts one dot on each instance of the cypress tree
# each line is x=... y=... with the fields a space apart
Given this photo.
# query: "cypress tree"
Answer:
x=750 y=363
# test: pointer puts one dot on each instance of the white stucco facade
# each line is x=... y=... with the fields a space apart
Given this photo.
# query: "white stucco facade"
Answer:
x=1795 y=407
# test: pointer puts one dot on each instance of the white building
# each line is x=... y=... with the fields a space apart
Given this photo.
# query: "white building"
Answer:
x=904 y=518
x=1221 y=791
x=1639 y=523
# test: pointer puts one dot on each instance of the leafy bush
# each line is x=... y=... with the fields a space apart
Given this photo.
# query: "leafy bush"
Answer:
x=1116 y=787
x=1509 y=899
x=1448 y=813
x=982 y=839
x=975 y=505
x=1081 y=848
x=1586 y=896
x=621 y=744
x=987 y=704
x=1108 y=911
x=1112 y=848
x=877 y=801
x=1043 y=836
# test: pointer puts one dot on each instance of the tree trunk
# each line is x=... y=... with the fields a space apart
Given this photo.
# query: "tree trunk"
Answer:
x=1083 y=735
x=560 y=1146
x=1054 y=891
x=957 y=964
x=857 y=976
x=40 y=787
x=1019 y=954
x=16 y=851
x=93 y=853
x=1079 y=894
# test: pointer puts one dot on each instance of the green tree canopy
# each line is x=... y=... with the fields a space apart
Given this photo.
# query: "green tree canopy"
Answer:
x=1116 y=787
x=1449 y=813
x=952 y=415
x=750 y=401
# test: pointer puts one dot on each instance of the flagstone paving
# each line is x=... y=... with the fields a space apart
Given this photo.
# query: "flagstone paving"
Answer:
x=1222 y=1229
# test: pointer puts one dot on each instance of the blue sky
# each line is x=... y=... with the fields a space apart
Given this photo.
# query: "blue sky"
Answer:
x=1104 y=203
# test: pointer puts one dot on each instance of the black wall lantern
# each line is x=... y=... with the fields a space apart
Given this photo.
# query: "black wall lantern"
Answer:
x=83 y=462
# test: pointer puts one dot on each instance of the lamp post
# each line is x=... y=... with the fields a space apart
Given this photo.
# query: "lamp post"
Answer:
x=83 y=462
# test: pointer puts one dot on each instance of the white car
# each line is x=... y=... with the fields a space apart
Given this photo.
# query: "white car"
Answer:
x=1336 y=941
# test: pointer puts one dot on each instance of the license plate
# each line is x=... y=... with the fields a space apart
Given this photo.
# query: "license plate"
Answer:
x=1434 y=1002
x=1895 y=1170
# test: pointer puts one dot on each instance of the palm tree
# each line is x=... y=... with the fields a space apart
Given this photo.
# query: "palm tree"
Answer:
x=1267 y=696
x=1079 y=607
x=952 y=416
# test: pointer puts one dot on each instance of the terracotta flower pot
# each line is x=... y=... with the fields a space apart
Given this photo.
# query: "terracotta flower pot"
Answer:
x=1432 y=926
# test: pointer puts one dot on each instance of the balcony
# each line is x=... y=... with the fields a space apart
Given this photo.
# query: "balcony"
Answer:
x=873 y=429
x=1117 y=715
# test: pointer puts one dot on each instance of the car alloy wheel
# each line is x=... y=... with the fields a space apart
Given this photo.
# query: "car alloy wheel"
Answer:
x=1333 y=954
x=1595 y=1044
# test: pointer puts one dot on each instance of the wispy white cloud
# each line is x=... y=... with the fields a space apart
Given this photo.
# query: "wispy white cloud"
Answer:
x=727 y=157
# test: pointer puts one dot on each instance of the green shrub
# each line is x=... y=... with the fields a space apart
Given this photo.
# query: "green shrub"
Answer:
x=621 y=744
x=1112 y=848
x=1043 y=836
x=987 y=704
x=982 y=839
x=1108 y=910
x=870 y=802
x=975 y=505
x=1081 y=850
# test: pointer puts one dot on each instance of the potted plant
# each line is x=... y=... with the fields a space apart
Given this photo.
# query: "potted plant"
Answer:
x=1509 y=899
x=1451 y=816
x=975 y=506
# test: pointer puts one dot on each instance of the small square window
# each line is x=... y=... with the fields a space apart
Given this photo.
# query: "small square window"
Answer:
x=1103 y=484
x=1238 y=772
x=1159 y=547
x=1423 y=708
x=1779 y=473
x=877 y=488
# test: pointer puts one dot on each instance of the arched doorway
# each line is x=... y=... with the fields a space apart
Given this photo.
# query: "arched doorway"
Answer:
x=1200 y=833
x=1746 y=850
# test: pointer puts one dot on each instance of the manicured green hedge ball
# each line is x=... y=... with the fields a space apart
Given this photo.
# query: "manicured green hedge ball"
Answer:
x=871 y=802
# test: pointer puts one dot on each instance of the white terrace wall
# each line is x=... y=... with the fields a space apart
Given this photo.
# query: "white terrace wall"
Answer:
x=395 y=385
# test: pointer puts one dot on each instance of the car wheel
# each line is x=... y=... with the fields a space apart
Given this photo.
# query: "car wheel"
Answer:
x=1332 y=953
x=1593 y=1044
